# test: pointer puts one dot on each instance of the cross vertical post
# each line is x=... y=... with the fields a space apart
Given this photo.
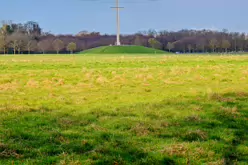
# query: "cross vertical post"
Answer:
x=118 y=42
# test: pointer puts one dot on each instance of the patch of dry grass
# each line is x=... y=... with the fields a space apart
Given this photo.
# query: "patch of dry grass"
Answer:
x=123 y=110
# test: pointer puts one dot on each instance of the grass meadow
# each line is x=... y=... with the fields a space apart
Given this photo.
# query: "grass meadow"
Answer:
x=73 y=110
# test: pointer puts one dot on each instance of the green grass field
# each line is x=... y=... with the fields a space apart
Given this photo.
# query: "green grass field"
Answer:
x=127 y=50
x=72 y=110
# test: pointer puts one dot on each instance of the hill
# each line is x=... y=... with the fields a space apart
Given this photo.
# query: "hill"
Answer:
x=122 y=50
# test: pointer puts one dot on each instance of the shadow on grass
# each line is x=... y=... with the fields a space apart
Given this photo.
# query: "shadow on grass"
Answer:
x=234 y=115
x=46 y=137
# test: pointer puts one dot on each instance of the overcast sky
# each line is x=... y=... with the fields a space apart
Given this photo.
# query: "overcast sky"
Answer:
x=72 y=16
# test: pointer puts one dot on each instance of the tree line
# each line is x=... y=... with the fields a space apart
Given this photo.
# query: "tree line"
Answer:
x=27 y=38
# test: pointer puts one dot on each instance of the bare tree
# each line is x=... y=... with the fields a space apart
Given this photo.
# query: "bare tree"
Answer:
x=5 y=31
x=138 y=40
x=170 y=46
x=33 y=29
x=3 y=44
x=213 y=43
x=200 y=40
x=189 y=46
x=13 y=44
x=225 y=45
x=154 y=43
x=152 y=33
x=58 y=45
x=44 y=45
x=71 y=47
x=200 y=46
x=31 y=46
x=18 y=41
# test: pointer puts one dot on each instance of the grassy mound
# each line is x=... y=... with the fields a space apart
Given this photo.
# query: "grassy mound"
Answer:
x=123 y=50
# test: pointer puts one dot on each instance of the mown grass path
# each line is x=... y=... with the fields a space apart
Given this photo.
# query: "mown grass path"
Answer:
x=123 y=109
